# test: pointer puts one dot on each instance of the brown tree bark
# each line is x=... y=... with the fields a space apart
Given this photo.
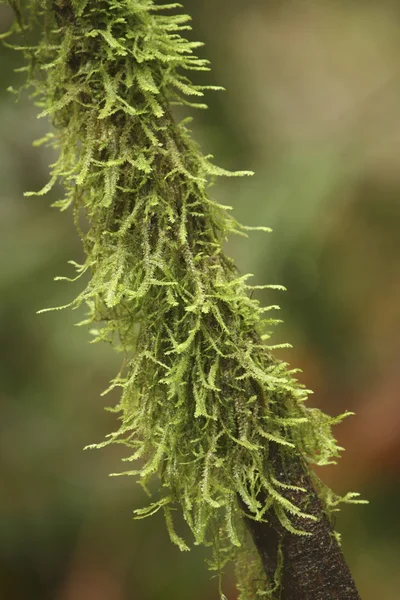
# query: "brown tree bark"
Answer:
x=314 y=567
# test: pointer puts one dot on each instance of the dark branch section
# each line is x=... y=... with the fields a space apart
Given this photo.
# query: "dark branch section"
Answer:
x=314 y=567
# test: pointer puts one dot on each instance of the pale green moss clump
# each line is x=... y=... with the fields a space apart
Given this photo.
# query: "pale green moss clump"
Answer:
x=202 y=398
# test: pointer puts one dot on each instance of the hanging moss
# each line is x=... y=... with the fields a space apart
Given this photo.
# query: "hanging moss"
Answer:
x=203 y=400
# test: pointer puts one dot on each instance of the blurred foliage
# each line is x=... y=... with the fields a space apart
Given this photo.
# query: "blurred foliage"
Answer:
x=312 y=107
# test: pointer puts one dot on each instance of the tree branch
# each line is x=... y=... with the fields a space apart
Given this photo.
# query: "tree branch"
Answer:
x=314 y=567
x=204 y=402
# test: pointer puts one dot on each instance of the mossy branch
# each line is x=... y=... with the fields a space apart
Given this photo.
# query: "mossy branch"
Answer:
x=204 y=405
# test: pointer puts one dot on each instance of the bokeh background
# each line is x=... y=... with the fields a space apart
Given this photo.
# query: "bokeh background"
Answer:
x=313 y=107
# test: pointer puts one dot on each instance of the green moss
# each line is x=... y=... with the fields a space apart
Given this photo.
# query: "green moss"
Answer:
x=202 y=397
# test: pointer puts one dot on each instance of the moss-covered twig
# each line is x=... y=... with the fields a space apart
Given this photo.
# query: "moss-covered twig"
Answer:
x=204 y=405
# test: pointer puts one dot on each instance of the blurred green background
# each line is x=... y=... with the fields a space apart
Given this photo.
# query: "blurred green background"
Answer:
x=313 y=106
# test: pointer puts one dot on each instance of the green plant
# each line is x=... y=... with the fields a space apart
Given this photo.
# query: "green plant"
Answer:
x=204 y=404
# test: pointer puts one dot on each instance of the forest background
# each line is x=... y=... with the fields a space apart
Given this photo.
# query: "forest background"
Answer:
x=313 y=107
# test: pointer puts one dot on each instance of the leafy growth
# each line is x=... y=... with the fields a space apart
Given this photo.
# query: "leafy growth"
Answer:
x=203 y=400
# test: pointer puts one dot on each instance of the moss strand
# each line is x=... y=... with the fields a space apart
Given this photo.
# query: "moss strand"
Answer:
x=203 y=400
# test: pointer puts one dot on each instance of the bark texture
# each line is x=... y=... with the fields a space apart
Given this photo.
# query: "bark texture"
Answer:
x=314 y=567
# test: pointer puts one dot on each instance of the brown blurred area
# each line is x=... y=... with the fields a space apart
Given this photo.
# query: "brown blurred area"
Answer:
x=313 y=107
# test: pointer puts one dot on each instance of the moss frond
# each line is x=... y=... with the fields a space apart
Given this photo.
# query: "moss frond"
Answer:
x=203 y=400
